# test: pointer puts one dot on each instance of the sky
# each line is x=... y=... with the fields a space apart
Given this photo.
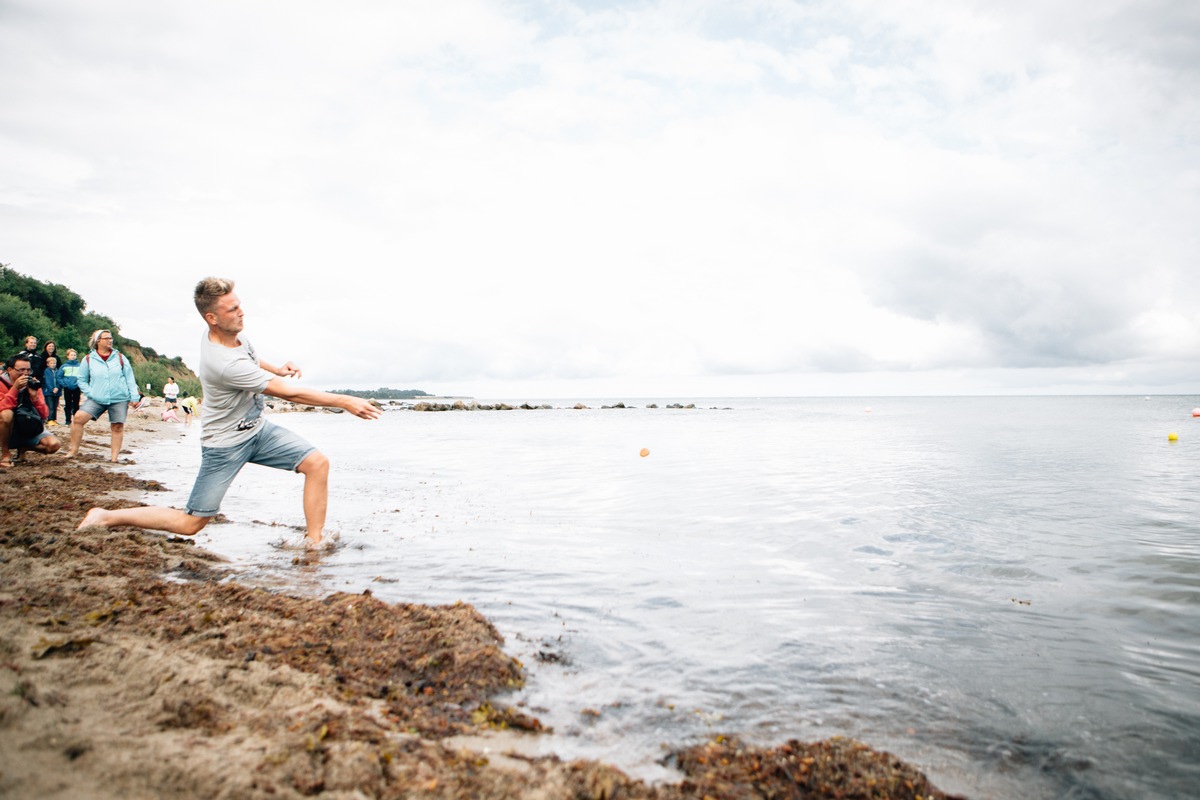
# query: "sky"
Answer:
x=547 y=198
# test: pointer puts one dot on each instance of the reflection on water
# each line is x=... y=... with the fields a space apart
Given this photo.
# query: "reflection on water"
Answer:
x=1001 y=590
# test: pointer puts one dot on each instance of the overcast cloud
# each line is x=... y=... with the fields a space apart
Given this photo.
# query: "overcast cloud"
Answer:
x=560 y=199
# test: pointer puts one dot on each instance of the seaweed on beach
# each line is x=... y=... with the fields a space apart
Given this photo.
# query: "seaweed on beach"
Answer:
x=431 y=667
x=836 y=767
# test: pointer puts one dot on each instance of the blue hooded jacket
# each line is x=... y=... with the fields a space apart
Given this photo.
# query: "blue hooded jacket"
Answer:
x=51 y=380
x=107 y=382
x=70 y=374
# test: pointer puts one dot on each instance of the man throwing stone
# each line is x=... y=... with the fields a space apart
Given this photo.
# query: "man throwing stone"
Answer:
x=235 y=432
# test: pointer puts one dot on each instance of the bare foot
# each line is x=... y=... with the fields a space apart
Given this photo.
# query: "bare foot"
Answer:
x=94 y=517
x=69 y=454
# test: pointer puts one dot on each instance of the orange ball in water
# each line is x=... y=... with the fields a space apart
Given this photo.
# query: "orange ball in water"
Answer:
x=643 y=452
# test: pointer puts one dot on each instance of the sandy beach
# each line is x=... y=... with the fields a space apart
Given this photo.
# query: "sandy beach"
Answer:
x=133 y=665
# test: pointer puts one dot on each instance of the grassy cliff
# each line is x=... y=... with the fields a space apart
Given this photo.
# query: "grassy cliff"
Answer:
x=54 y=313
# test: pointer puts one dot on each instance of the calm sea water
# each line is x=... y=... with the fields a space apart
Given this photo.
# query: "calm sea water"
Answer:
x=1003 y=591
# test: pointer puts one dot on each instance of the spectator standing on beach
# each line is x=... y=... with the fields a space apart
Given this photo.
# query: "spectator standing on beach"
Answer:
x=31 y=353
x=171 y=391
x=50 y=349
x=70 y=386
x=17 y=390
x=190 y=408
x=106 y=379
x=52 y=388
x=235 y=431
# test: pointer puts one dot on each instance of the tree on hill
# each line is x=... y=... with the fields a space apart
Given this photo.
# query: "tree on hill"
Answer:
x=384 y=393
x=57 y=302
x=19 y=319
x=54 y=313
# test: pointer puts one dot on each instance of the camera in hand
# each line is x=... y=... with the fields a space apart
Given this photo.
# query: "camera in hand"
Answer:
x=33 y=383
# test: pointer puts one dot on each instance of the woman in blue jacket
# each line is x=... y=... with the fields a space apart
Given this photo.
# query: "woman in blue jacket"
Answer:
x=106 y=379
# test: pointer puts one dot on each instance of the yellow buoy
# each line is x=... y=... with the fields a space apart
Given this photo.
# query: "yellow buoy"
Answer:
x=1172 y=437
x=644 y=452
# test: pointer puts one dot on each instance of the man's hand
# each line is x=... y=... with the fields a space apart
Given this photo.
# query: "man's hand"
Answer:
x=289 y=370
x=362 y=408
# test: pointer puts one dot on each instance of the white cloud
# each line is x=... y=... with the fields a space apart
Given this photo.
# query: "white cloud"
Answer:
x=632 y=193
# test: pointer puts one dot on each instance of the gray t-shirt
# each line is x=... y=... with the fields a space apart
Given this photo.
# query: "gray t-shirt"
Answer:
x=233 y=383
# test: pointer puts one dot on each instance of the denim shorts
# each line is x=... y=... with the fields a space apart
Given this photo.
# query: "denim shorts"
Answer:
x=273 y=446
x=28 y=444
x=116 y=411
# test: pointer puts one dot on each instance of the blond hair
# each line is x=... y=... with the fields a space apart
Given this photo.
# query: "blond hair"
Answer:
x=209 y=291
x=95 y=338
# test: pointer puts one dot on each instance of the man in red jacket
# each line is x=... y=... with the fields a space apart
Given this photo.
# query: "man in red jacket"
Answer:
x=14 y=392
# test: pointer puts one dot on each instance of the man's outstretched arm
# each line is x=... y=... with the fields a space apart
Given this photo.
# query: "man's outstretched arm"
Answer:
x=358 y=406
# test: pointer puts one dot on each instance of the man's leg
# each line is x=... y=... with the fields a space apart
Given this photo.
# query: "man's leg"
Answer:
x=48 y=443
x=80 y=419
x=118 y=438
x=6 y=421
x=171 y=520
x=315 y=469
x=218 y=467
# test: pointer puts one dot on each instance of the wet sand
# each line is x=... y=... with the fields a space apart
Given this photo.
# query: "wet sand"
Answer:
x=132 y=664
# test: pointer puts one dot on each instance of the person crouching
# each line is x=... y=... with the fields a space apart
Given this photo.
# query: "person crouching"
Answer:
x=23 y=413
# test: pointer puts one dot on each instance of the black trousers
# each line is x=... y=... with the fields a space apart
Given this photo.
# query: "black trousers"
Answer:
x=71 y=404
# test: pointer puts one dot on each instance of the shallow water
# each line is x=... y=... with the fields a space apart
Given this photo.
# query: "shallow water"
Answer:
x=1003 y=591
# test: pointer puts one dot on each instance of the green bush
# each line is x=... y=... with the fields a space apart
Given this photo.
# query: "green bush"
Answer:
x=18 y=320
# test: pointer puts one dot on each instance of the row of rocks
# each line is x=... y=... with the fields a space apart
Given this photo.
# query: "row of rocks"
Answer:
x=460 y=405
x=283 y=406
